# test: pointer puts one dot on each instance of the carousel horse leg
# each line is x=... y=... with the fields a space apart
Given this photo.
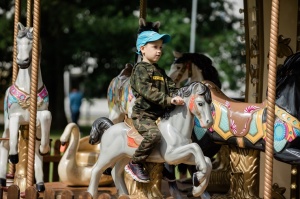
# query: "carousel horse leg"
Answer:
x=169 y=176
x=4 y=147
x=14 y=124
x=101 y=164
x=192 y=153
x=38 y=169
x=45 y=119
x=118 y=175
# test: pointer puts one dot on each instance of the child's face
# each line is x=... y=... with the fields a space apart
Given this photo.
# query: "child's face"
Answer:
x=152 y=51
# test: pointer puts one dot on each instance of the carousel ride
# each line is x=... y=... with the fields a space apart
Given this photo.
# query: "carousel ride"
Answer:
x=271 y=116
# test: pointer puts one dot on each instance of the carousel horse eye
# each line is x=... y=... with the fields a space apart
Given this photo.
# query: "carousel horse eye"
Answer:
x=200 y=103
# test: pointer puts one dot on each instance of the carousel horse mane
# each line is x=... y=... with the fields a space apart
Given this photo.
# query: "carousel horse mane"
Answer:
x=26 y=32
x=186 y=91
x=204 y=63
x=288 y=85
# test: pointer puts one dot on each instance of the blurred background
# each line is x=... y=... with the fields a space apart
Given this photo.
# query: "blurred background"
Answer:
x=87 y=43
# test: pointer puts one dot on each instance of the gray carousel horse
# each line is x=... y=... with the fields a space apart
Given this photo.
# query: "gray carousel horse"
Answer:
x=16 y=111
x=175 y=147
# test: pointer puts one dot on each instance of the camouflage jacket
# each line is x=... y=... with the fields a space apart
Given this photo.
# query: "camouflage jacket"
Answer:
x=153 y=90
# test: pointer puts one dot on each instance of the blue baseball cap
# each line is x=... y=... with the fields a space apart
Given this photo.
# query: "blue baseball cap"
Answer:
x=148 y=36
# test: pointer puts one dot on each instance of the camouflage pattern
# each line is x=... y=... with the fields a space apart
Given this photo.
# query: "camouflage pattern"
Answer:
x=149 y=130
x=153 y=90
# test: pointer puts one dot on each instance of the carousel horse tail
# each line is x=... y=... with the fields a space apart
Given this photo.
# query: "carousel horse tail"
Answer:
x=99 y=126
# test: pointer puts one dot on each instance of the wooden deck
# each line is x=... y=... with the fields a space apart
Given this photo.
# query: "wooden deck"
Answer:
x=58 y=191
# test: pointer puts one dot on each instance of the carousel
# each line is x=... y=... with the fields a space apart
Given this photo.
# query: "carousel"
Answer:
x=239 y=149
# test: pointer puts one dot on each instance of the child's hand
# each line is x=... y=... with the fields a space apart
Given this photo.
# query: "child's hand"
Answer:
x=177 y=100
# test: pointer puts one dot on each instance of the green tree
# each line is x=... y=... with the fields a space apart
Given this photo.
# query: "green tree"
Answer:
x=75 y=32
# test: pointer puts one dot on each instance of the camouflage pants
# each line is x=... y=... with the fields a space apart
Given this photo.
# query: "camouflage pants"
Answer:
x=149 y=130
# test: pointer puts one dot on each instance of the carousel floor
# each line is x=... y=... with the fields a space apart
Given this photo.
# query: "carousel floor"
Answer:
x=59 y=187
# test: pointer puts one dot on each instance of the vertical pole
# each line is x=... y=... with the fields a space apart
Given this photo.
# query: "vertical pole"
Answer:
x=29 y=14
x=16 y=21
x=271 y=99
x=143 y=9
x=33 y=92
x=11 y=168
x=193 y=26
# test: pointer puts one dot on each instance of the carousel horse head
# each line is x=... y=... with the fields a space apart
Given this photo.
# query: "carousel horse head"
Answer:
x=193 y=66
x=24 y=46
x=288 y=85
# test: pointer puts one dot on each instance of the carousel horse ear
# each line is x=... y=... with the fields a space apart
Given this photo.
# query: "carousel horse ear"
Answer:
x=31 y=29
x=20 y=26
x=177 y=54
x=142 y=22
x=156 y=24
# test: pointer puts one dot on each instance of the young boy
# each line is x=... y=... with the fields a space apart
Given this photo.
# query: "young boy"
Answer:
x=153 y=90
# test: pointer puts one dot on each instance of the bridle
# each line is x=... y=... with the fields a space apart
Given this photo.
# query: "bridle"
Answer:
x=186 y=66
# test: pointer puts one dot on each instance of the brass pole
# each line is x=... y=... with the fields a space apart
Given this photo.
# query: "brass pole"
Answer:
x=16 y=21
x=271 y=100
x=143 y=9
x=33 y=92
x=11 y=168
x=29 y=14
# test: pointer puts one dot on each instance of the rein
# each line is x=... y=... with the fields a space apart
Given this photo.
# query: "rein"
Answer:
x=288 y=118
x=186 y=66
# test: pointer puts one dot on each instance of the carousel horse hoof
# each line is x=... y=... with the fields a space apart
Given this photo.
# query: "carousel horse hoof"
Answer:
x=14 y=159
x=107 y=171
x=22 y=194
x=43 y=154
x=196 y=182
x=40 y=187
x=44 y=150
x=168 y=176
x=3 y=182
x=190 y=195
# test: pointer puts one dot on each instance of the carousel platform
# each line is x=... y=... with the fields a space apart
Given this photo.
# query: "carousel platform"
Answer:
x=58 y=191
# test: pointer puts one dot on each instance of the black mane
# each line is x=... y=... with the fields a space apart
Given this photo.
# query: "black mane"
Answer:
x=288 y=85
x=204 y=63
x=186 y=91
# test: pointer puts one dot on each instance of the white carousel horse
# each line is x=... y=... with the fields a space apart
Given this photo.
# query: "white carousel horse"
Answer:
x=174 y=148
x=16 y=113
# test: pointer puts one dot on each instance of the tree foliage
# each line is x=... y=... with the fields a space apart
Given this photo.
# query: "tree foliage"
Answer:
x=99 y=37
